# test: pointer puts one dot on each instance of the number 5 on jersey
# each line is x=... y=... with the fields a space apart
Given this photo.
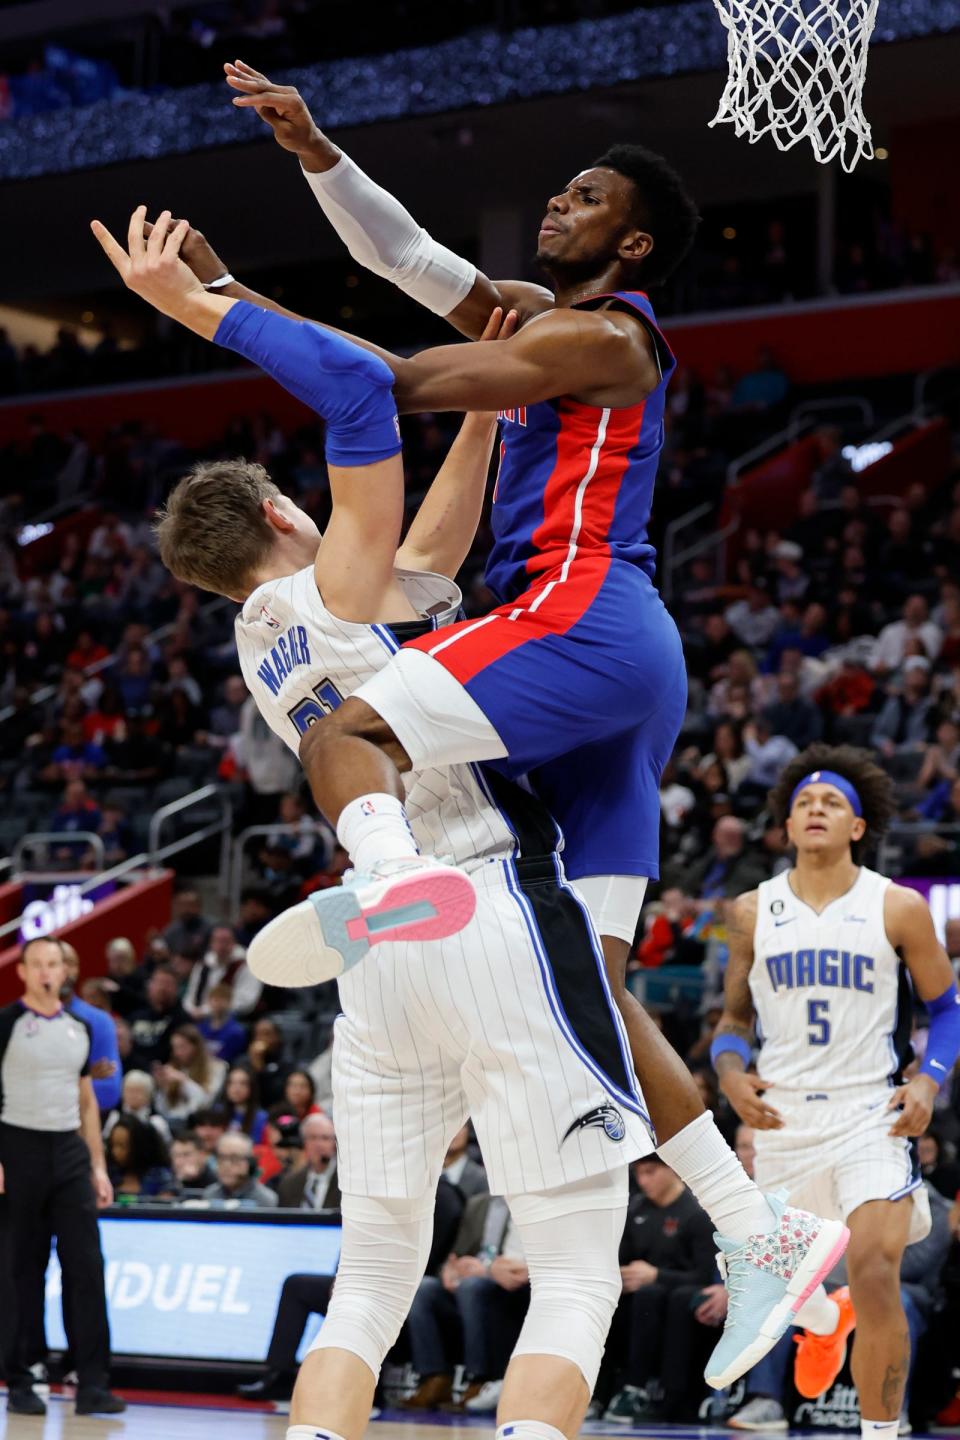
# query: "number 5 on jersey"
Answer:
x=817 y=1013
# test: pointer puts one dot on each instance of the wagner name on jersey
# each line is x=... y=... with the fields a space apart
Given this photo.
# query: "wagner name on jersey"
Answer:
x=299 y=662
x=831 y=994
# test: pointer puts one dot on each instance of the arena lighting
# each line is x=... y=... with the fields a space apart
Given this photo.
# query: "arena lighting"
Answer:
x=729 y=233
x=859 y=457
x=880 y=153
x=28 y=533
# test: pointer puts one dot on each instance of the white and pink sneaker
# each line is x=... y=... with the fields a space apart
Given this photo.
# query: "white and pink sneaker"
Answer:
x=768 y=1278
x=415 y=899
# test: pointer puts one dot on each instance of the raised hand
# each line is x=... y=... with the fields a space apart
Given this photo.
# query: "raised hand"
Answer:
x=283 y=108
x=151 y=265
x=197 y=252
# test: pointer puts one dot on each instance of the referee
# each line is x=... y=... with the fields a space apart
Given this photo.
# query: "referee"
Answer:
x=54 y=1179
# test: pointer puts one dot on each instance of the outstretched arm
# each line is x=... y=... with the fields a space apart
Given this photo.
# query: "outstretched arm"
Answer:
x=601 y=358
x=378 y=232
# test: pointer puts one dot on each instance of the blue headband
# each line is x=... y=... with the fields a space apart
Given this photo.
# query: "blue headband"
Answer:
x=830 y=777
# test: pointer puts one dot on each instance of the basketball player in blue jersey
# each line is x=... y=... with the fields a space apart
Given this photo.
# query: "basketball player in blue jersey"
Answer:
x=331 y=378
x=828 y=957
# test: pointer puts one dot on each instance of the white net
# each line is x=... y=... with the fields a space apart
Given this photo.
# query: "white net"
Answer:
x=797 y=69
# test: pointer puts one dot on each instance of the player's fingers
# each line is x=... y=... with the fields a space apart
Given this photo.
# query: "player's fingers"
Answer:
x=509 y=326
x=267 y=99
x=249 y=83
x=895 y=1099
x=158 y=234
x=135 y=232
x=492 y=328
x=246 y=69
x=175 y=238
x=113 y=250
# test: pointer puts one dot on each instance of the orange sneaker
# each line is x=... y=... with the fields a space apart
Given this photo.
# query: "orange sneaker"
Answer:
x=819 y=1358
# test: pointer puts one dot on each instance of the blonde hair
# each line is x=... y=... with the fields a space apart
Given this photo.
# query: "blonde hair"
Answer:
x=212 y=532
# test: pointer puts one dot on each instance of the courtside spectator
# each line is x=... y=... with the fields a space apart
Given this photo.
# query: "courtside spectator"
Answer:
x=313 y=1185
x=237 y=1175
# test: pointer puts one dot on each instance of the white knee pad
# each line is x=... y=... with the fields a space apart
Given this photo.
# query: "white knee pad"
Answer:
x=383 y=1254
x=571 y=1241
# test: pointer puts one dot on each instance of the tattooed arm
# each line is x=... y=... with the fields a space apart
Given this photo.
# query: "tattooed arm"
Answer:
x=744 y=1091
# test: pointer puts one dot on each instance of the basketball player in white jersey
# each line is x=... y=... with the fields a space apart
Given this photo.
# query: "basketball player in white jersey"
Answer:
x=512 y=1018
x=826 y=958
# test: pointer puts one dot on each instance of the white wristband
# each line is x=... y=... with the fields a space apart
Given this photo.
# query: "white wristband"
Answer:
x=384 y=237
x=220 y=282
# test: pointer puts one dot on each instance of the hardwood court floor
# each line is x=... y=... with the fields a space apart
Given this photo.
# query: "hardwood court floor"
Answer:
x=187 y=1421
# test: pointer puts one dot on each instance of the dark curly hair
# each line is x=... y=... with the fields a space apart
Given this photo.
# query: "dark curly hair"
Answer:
x=665 y=206
x=871 y=783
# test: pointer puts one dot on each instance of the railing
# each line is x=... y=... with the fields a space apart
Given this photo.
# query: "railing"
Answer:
x=674 y=558
x=670 y=538
x=809 y=411
x=57 y=837
x=239 y=848
x=220 y=826
x=130 y=869
x=749 y=458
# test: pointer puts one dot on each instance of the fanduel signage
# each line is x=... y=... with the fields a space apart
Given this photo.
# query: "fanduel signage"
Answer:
x=204 y=1289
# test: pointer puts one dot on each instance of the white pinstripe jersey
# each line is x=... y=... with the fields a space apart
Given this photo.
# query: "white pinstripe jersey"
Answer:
x=830 y=992
x=300 y=662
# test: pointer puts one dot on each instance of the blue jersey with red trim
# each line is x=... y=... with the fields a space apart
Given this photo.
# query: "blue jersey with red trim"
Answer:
x=576 y=478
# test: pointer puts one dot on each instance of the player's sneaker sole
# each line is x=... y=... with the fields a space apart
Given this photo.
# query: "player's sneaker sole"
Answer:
x=334 y=929
x=822 y=1254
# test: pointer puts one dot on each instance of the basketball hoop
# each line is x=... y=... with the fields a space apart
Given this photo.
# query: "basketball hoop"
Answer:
x=797 y=69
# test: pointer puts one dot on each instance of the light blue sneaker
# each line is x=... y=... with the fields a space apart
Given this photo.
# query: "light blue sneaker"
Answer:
x=768 y=1278
x=417 y=899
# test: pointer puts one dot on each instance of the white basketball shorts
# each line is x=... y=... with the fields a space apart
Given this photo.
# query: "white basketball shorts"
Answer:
x=509 y=1022
x=834 y=1154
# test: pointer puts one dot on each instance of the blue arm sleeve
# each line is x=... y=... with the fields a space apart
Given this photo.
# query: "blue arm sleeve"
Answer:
x=943 y=1042
x=350 y=388
x=720 y=1044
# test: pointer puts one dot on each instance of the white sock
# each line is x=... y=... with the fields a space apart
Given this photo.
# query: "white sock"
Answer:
x=375 y=827
x=709 y=1168
x=311 y=1432
x=879 y=1429
x=528 y=1430
x=819 y=1314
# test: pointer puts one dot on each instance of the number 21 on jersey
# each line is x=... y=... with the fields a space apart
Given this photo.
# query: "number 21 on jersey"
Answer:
x=325 y=698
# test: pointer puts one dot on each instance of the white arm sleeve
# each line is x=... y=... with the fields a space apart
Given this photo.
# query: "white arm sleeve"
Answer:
x=384 y=237
x=614 y=902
